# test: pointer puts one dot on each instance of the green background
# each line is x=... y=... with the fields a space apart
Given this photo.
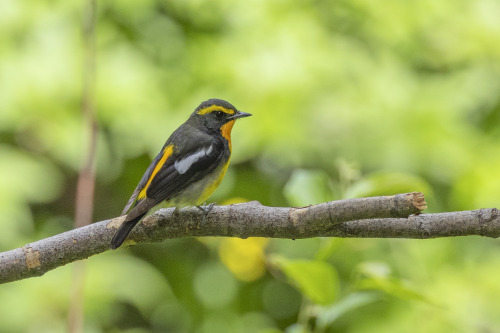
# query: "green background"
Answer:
x=350 y=98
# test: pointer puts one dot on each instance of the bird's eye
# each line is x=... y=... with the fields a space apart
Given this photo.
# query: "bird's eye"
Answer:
x=219 y=115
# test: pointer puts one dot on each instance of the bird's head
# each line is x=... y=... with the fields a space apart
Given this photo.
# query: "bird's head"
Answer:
x=217 y=115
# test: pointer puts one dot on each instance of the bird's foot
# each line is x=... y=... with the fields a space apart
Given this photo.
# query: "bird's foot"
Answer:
x=205 y=209
x=176 y=211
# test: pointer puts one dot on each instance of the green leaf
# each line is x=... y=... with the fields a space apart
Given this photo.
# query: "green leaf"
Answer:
x=387 y=183
x=377 y=276
x=328 y=247
x=297 y=328
x=327 y=315
x=316 y=280
x=308 y=187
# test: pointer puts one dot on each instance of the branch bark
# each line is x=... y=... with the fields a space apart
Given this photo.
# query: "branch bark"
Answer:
x=384 y=217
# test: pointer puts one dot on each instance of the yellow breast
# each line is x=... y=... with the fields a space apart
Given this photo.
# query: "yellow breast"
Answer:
x=215 y=183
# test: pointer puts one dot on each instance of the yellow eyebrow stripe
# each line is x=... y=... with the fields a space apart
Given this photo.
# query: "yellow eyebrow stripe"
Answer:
x=213 y=108
x=167 y=152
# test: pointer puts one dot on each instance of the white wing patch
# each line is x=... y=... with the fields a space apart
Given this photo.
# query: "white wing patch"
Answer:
x=183 y=165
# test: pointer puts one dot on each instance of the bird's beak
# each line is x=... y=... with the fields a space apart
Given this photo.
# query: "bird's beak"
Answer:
x=240 y=114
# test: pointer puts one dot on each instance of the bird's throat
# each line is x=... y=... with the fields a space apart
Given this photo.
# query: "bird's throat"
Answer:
x=225 y=131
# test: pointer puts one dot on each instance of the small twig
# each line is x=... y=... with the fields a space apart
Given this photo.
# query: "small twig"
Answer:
x=86 y=179
x=482 y=222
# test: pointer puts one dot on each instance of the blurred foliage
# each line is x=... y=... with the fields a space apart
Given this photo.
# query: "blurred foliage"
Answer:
x=350 y=98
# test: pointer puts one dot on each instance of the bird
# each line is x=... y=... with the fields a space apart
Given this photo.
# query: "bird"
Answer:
x=189 y=167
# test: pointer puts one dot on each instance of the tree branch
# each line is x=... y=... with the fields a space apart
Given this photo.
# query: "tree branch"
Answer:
x=389 y=216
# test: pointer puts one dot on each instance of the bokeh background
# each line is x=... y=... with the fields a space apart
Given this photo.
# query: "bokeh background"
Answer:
x=350 y=98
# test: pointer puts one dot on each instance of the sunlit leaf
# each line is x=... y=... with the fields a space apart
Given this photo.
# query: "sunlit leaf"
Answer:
x=307 y=187
x=377 y=276
x=297 y=328
x=387 y=183
x=328 y=248
x=316 y=280
x=327 y=315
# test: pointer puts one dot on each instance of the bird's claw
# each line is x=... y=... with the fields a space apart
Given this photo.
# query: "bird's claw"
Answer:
x=206 y=209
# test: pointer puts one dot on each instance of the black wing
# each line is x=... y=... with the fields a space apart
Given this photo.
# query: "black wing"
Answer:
x=185 y=169
x=143 y=181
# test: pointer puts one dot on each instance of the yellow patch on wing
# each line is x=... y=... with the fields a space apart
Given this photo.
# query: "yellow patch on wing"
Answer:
x=225 y=130
x=166 y=154
x=213 y=108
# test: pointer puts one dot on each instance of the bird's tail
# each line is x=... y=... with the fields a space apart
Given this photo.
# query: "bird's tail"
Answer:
x=123 y=231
